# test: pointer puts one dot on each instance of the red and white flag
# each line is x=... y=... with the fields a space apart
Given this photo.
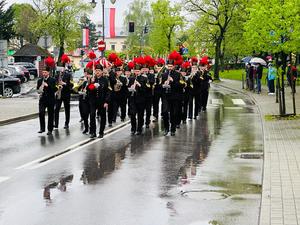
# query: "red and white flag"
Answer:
x=85 y=37
x=109 y=21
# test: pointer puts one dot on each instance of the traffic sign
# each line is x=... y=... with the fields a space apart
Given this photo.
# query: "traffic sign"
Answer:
x=101 y=46
x=39 y=58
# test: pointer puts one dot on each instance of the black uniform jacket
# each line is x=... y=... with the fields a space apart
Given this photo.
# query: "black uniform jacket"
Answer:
x=175 y=92
x=48 y=95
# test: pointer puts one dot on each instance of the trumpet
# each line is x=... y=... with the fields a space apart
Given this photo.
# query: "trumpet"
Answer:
x=118 y=85
x=40 y=90
x=59 y=86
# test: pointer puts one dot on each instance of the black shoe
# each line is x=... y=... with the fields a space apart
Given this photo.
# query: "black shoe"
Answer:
x=147 y=126
x=184 y=121
x=49 y=133
x=85 y=131
x=93 y=136
x=122 y=120
x=110 y=125
x=166 y=132
x=81 y=120
x=138 y=133
x=178 y=126
x=172 y=133
x=41 y=131
x=195 y=117
x=113 y=121
x=55 y=126
x=66 y=127
x=132 y=132
x=100 y=136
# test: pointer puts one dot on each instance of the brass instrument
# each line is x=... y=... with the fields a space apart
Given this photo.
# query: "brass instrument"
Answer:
x=40 y=90
x=118 y=85
x=59 y=86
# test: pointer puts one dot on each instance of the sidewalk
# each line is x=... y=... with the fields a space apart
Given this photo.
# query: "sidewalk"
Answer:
x=281 y=176
x=17 y=109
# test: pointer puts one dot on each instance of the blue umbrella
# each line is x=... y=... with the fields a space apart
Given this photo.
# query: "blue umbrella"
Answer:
x=247 y=59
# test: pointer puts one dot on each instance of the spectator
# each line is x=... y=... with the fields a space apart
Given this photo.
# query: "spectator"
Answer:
x=259 y=72
x=271 y=78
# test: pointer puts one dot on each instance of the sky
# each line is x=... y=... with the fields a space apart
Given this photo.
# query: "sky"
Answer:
x=120 y=5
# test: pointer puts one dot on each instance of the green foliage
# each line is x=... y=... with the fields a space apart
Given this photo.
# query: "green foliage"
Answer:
x=273 y=26
x=166 y=21
x=139 y=13
x=6 y=22
x=24 y=16
x=60 y=19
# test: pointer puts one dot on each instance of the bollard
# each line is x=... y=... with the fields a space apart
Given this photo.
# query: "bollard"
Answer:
x=243 y=87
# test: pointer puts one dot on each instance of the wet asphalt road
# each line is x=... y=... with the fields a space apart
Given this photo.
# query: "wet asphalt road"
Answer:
x=193 y=178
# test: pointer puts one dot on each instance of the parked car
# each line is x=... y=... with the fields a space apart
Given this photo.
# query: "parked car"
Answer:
x=13 y=73
x=11 y=85
x=21 y=69
x=30 y=67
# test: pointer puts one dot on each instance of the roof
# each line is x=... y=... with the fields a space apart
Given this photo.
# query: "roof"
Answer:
x=31 y=50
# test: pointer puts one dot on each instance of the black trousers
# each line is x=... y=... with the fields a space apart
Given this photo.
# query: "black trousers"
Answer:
x=110 y=111
x=203 y=99
x=102 y=114
x=148 y=107
x=156 y=100
x=58 y=103
x=188 y=107
x=197 y=103
x=137 y=110
x=84 y=108
x=42 y=112
x=171 y=113
x=180 y=112
x=119 y=103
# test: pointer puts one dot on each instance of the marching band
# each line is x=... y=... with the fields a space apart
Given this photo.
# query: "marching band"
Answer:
x=140 y=88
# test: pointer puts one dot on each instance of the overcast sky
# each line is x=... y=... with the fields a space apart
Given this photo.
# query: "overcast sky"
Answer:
x=120 y=5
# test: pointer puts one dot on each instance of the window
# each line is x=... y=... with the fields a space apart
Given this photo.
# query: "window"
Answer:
x=123 y=47
x=113 y=47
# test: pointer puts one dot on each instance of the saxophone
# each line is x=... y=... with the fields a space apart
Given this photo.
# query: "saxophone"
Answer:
x=41 y=88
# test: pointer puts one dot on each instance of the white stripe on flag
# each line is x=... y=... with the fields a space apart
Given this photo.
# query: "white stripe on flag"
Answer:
x=106 y=22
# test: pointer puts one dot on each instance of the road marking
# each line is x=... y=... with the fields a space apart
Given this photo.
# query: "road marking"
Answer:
x=235 y=108
x=72 y=147
x=238 y=102
x=44 y=163
x=217 y=102
x=2 y=179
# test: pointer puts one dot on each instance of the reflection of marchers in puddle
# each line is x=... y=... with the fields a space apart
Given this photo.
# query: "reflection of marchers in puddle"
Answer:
x=170 y=205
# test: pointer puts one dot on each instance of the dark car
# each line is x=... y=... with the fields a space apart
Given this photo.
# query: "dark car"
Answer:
x=30 y=67
x=11 y=85
x=13 y=73
x=21 y=69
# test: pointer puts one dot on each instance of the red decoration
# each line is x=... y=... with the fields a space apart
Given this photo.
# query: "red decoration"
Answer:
x=65 y=59
x=130 y=65
x=91 y=87
x=186 y=65
x=204 y=60
x=49 y=62
x=118 y=62
x=89 y=65
x=92 y=56
x=112 y=57
x=161 y=62
x=194 y=59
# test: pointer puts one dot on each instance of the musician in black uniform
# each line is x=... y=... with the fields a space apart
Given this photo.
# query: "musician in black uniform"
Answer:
x=188 y=96
x=119 y=92
x=46 y=87
x=98 y=92
x=157 y=93
x=196 y=81
x=149 y=72
x=137 y=100
x=172 y=88
x=84 y=105
x=205 y=83
x=65 y=84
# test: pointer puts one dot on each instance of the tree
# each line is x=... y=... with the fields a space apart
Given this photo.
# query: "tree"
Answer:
x=166 y=20
x=24 y=16
x=6 y=22
x=139 y=13
x=87 y=23
x=273 y=26
x=60 y=19
x=217 y=15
